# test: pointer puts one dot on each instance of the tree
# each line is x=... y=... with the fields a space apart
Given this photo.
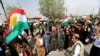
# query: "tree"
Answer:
x=10 y=8
x=52 y=9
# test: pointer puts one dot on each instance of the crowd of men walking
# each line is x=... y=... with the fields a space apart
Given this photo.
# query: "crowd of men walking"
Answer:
x=47 y=40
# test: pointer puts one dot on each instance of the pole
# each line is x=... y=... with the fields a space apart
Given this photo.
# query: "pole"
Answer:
x=19 y=5
x=3 y=8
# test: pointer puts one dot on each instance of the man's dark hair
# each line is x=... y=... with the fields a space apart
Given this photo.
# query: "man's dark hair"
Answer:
x=38 y=33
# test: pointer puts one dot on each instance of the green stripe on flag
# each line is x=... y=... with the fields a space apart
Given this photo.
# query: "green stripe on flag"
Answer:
x=16 y=31
x=64 y=24
x=12 y=35
x=90 y=23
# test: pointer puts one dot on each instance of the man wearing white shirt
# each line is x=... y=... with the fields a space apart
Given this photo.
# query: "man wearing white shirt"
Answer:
x=78 y=47
x=95 y=50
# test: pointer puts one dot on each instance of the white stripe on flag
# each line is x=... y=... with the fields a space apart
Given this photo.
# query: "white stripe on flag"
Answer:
x=20 y=17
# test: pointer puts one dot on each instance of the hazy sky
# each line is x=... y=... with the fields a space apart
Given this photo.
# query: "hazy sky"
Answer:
x=79 y=7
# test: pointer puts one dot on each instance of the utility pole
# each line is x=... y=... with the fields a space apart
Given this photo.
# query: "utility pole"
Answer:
x=66 y=11
x=3 y=8
x=93 y=14
x=19 y=5
x=99 y=10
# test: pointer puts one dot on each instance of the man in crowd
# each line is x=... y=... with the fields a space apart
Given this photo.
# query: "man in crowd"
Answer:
x=47 y=43
x=18 y=44
x=54 y=38
x=95 y=50
x=78 y=47
x=39 y=45
x=61 y=38
x=2 y=48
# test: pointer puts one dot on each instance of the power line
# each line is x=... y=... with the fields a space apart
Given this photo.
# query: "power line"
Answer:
x=3 y=8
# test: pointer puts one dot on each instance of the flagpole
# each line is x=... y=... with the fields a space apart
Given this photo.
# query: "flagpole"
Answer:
x=3 y=8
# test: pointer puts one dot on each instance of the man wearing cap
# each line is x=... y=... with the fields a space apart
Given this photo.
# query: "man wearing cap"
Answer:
x=78 y=47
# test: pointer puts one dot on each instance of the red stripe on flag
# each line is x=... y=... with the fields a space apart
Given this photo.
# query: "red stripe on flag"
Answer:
x=87 y=19
x=6 y=32
x=20 y=11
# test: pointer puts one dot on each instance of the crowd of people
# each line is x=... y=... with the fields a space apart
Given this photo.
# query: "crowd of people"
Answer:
x=47 y=40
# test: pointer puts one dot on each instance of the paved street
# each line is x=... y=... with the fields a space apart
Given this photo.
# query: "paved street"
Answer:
x=62 y=53
x=57 y=53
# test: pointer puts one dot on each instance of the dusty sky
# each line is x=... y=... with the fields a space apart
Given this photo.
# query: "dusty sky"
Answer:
x=75 y=7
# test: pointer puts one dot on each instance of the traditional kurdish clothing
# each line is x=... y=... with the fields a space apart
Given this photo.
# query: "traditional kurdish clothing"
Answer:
x=78 y=49
x=39 y=47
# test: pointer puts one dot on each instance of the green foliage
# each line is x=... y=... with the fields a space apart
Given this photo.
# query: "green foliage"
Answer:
x=52 y=8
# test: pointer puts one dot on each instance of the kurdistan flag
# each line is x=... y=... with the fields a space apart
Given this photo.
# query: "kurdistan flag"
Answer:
x=65 y=21
x=87 y=19
x=17 y=22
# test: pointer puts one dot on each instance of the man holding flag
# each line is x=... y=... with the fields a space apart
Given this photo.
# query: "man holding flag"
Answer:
x=17 y=22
